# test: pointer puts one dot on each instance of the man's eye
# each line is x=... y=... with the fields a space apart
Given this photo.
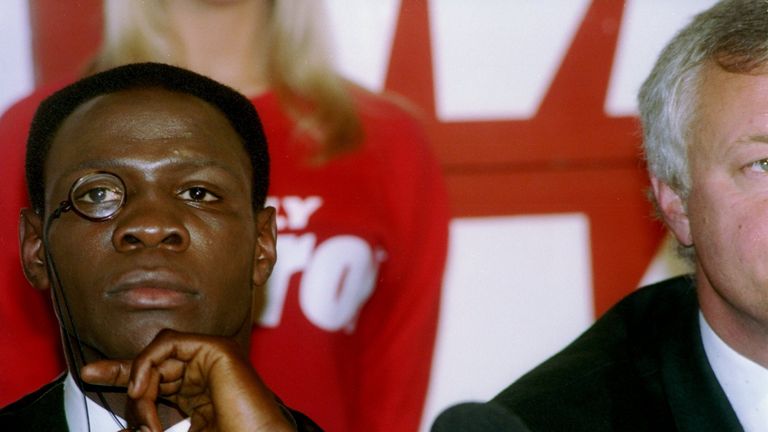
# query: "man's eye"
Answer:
x=99 y=195
x=198 y=194
x=760 y=165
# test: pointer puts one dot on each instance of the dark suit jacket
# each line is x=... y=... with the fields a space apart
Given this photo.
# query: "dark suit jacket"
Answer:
x=478 y=417
x=641 y=367
x=43 y=410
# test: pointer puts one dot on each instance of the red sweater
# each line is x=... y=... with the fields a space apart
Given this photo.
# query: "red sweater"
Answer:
x=350 y=315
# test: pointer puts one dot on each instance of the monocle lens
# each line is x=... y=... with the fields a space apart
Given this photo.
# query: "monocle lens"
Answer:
x=97 y=196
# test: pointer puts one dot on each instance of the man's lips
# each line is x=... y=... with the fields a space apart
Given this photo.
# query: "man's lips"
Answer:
x=148 y=290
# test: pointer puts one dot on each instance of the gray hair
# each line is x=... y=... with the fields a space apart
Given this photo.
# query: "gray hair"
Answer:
x=732 y=34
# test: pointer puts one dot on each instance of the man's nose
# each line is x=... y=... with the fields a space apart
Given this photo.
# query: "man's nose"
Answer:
x=150 y=222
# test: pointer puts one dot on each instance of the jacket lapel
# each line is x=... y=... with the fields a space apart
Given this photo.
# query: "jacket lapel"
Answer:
x=697 y=401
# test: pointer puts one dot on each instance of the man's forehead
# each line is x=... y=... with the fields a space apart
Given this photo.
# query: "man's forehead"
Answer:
x=145 y=100
x=146 y=124
x=147 y=114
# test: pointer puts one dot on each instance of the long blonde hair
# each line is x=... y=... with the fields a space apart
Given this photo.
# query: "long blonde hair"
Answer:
x=298 y=67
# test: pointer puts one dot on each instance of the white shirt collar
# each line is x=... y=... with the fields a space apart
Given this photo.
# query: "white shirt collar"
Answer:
x=101 y=420
x=745 y=382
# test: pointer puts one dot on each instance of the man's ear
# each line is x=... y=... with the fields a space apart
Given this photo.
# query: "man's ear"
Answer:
x=33 y=249
x=673 y=210
x=266 y=243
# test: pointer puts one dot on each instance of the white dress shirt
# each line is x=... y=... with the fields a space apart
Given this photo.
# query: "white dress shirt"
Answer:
x=745 y=382
x=101 y=420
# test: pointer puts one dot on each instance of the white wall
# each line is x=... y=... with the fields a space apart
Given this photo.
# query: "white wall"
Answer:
x=16 y=75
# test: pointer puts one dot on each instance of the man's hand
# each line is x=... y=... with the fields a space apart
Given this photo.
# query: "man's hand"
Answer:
x=205 y=376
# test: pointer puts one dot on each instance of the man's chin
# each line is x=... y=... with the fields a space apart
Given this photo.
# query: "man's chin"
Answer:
x=128 y=340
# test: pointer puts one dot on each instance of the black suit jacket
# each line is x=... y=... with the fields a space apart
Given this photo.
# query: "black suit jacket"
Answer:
x=640 y=367
x=43 y=410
